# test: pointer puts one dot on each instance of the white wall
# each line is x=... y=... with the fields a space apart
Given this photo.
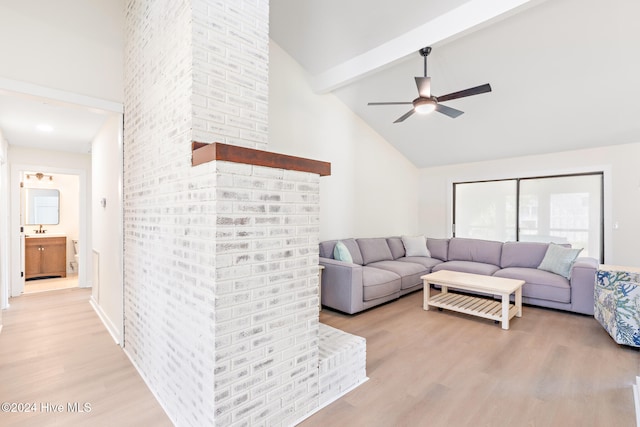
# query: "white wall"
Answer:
x=106 y=225
x=4 y=225
x=373 y=189
x=70 y=45
x=52 y=162
x=622 y=191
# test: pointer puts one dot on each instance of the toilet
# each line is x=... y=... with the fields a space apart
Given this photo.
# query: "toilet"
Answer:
x=75 y=256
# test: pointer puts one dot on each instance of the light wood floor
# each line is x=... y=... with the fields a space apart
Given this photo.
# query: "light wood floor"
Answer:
x=54 y=349
x=42 y=285
x=425 y=368
x=445 y=369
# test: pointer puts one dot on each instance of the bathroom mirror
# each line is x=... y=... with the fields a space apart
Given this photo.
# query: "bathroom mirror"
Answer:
x=42 y=206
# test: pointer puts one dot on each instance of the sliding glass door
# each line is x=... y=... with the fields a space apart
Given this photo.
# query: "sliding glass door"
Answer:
x=485 y=210
x=560 y=209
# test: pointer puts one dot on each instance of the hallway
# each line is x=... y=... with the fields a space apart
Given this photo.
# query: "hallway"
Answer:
x=54 y=353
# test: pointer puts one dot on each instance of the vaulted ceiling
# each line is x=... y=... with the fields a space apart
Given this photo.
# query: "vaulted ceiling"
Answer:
x=563 y=72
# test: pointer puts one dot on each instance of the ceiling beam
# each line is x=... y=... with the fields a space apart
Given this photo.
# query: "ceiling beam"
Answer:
x=459 y=20
x=63 y=97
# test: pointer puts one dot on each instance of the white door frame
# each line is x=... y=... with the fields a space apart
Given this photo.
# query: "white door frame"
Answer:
x=4 y=227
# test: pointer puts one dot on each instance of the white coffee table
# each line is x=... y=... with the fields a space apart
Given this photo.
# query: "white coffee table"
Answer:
x=500 y=311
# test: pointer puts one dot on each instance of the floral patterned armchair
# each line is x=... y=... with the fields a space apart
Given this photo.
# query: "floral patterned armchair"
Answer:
x=617 y=303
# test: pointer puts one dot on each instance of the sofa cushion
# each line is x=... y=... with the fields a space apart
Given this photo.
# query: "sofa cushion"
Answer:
x=396 y=246
x=341 y=253
x=415 y=246
x=539 y=284
x=559 y=260
x=409 y=272
x=438 y=248
x=428 y=263
x=374 y=249
x=327 y=247
x=467 y=267
x=522 y=254
x=475 y=250
x=377 y=283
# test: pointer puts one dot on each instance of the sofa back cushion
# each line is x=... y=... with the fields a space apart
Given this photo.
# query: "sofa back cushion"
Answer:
x=396 y=246
x=327 y=247
x=476 y=250
x=522 y=254
x=374 y=249
x=438 y=248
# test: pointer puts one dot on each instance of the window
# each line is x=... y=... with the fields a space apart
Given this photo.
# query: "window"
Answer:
x=560 y=209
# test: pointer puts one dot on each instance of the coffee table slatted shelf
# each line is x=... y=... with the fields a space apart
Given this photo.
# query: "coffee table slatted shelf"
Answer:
x=475 y=306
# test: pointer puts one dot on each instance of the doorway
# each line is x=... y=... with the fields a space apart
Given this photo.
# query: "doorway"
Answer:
x=71 y=224
x=50 y=213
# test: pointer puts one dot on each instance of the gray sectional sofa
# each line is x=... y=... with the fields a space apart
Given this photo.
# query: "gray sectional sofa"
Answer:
x=381 y=272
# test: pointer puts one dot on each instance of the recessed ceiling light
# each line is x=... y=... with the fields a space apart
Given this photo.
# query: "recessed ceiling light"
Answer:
x=44 y=128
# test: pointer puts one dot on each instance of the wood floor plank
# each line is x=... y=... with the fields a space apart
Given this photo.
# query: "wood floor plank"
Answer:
x=55 y=350
x=430 y=368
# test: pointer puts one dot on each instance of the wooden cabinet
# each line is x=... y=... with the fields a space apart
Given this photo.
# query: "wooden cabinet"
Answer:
x=45 y=257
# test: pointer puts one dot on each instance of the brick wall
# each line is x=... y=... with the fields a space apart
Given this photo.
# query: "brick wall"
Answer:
x=266 y=295
x=231 y=71
x=342 y=359
x=168 y=222
x=220 y=259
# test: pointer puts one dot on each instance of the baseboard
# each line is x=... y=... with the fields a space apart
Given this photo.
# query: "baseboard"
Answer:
x=144 y=378
x=113 y=331
x=329 y=402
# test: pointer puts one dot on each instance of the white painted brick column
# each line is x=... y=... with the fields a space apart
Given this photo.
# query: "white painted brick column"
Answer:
x=266 y=295
x=220 y=259
x=168 y=244
x=231 y=72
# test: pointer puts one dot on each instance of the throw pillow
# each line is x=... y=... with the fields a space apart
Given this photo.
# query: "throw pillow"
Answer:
x=415 y=246
x=559 y=260
x=341 y=253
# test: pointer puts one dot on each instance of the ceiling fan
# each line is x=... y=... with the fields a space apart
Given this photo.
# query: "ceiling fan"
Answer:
x=426 y=102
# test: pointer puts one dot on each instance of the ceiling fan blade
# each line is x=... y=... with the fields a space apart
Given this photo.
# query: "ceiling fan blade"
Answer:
x=405 y=116
x=390 y=103
x=467 y=92
x=424 y=86
x=448 y=111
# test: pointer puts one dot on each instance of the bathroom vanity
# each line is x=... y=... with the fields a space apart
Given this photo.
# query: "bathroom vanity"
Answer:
x=45 y=256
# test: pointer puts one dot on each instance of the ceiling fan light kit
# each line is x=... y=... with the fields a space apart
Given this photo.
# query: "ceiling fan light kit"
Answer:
x=427 y=103
x=424 y=106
